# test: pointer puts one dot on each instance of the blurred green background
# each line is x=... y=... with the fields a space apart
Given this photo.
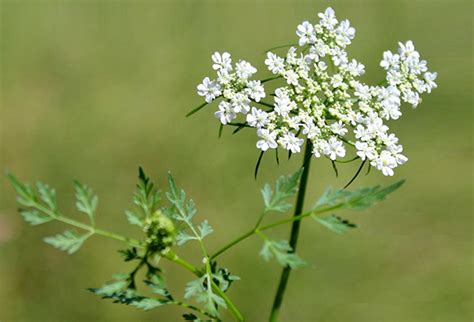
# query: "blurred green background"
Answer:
x=92 y=89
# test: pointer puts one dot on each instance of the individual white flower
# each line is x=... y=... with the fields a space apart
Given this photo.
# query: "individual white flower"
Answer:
x=240 y=103
x=291 y=142
x=385 y=163
x=275 y=63
x=319 y=146
x=344 y=33
x=362 y=133
x=224 y=77
x=209 y=89
x=429 y=79
x=291 y=77
x=310 y=129
x=416 y=65
x=411 y=97
x=338 y=128
x=328 y=18
x=362 y=91
x=306 y=33
x=283 y=103
x=337 y=80
x=293 y=122
x=221 y=61
x=257 y=118
x=365 y=151
x=390 y=111
x=255 y=90
x=355 y=68
x=389 y=60
x=244 y=69
x=225 y=113
x=407 y=49
x=390 y=141
x=339 y=56
x=268 y=140
x=376 y=127
x=334 y=148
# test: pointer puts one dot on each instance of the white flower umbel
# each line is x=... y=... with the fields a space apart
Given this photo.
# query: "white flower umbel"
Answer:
x=233 y=85
x=320 y=97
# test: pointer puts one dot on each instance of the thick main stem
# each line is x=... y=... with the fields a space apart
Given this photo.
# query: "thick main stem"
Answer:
x=295 y=230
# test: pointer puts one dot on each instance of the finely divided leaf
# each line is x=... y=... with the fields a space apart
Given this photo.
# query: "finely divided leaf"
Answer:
x=68 y=241
x=205 y=229
x=177 y=197
x=118 y=285
x=197 y=289
x=47 y=195
x=281 y=251
x=158 y=286
x=335 y=223
x=146 y=197
x=358 y=199
x=34 y=217
x=286 y=187
x=26 y=196
x=133 y=219
x=183 y=237
x=148 y=303
x=86 y=201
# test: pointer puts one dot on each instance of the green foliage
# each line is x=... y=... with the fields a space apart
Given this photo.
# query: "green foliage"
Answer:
x=184 y=211
x=42 y=208
x=148 y=303
x=86 y=201
x=117 y=285
x=205 y=229
x=335 y=223
x=34 y=217
x=169 y=225
x=286 y=187
x=358 y=199
x=68 y=241
x=133 y=219
x=26 y=196
x=146 y=199
x=222 y=277
x=47 y=195
x=158 y=286
x=201 y=291
x=129 y=254
x=282 y=252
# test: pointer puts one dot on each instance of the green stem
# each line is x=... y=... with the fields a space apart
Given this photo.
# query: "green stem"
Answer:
x=233 y=243
x=272 y=225
x=295 y=229
x=172 y=256
x=192 y=307
x=135 y=243
x=232 y=308
x=80 y=225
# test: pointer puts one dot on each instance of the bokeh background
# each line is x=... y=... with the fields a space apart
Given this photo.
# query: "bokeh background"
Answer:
x=92 y=89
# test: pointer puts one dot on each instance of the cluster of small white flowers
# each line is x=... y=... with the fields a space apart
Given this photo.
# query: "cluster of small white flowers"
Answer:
x=322 y=98
x=233 y=84
x=408 y=73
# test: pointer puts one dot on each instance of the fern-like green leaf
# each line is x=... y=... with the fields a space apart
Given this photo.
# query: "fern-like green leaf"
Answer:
x=86 y=201
x=68 y=241
x=34 y=217
x=286 y=187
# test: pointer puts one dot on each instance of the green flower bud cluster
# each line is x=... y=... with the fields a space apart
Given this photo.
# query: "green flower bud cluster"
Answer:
x=160 y=232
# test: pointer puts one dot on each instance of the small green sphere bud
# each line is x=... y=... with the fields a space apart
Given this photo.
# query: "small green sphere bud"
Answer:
x=160 y=232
